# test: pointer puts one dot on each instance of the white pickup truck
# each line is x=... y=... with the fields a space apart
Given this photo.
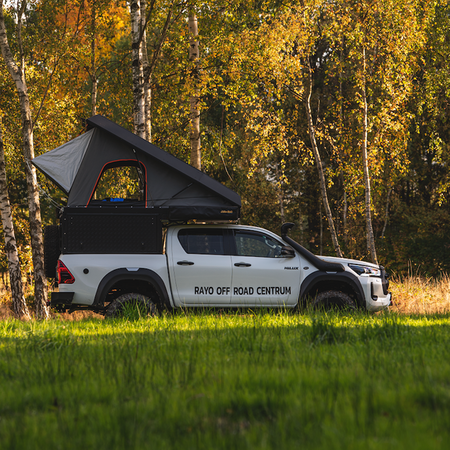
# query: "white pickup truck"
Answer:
x=224 y=265
x=120 y=240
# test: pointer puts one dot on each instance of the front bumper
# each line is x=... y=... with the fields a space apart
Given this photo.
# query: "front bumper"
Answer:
x=380 y=303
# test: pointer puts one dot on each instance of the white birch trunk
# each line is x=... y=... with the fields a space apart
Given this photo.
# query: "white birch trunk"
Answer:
x=322 y=182
x=138 y=74
x=195 y=97
x=19 y=304
x=147 y=78
x=93 y=61
x=37 y=245
x=368 y=199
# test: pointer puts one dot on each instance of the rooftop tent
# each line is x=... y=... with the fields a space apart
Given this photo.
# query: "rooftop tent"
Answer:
x=171 y=187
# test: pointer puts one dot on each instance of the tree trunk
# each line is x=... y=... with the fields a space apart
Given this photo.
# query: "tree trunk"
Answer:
x=300 y=219
x=20 y=307
x=138 y=73
x=147 y=79
x=386 y=215
x=40 y=281
x=344 y=220
x=323 y=186
x=93 y=68
x=148 y=66
x=370 y=236
x=195 y=97
x=280 y=195
x=321 y=230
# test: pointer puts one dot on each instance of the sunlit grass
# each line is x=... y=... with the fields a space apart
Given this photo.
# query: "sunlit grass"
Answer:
x=212 y=379
x=421 y=295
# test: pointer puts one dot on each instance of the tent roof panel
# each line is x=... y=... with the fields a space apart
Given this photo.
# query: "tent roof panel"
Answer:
x=164 y=157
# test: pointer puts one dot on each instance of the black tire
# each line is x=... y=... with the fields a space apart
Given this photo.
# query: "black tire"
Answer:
x=51 y=250
x=328 y=300
x=118 y=307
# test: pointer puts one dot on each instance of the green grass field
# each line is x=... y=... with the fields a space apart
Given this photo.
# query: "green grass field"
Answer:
x=221 y=381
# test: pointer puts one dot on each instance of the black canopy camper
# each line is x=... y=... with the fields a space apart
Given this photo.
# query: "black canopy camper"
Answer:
x=168 y=186
x=121 y=189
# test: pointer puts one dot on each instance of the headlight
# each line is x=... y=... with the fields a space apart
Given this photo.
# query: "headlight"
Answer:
x=361 y=269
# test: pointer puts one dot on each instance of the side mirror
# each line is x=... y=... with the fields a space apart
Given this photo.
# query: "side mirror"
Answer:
x=287 y=252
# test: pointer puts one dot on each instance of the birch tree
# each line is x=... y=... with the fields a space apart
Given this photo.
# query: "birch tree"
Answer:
x=310 y=12
x=93 y=68
x=18 y=76
x=195 y=95
x=144 y=64
x=322 y=180
x=20 y=307
x=365 y=162
x=138 y=70
x=147 y=90
x=383 y=41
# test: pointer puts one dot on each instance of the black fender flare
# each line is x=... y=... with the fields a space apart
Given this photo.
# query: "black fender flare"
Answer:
x=312 y=281
x=122 y=274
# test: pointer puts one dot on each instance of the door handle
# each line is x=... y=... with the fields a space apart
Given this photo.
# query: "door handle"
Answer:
x=185 y=263
x=242 y=264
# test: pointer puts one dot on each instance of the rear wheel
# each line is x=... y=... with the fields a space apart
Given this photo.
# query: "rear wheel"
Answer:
x=337 y=300
x=132 y=306
x=51 y=250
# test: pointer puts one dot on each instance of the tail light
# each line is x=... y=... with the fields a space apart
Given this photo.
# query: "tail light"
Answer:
x=64 y=275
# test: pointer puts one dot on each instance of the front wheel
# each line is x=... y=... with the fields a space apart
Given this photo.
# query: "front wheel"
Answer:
x=133 y=306
x=328 y=300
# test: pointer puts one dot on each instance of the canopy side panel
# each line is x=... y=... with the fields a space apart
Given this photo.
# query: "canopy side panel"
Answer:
x=103 y=149
x=166 y=186
x=175 y=165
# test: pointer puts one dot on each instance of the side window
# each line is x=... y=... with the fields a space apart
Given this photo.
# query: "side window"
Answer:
x=121 y=181
x=250 y=243
x=202 y=241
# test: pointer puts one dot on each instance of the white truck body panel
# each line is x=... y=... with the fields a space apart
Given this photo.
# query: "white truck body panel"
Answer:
x=98 y=266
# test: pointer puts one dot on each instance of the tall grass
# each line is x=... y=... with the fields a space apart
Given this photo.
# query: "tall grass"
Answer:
x=421 y=295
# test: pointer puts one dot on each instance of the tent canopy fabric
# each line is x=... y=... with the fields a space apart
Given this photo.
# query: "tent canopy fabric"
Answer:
x=61 y=164
x=77 y=166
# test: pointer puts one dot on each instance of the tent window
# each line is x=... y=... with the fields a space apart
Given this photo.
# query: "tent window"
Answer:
x=121 y=183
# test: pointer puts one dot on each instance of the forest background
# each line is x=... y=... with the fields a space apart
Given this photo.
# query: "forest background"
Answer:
x=287 y=93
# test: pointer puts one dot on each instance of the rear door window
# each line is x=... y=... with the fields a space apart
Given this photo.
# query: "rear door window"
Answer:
x=202 y=241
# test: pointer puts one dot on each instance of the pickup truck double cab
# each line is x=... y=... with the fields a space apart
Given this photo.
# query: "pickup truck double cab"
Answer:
x=124 y=238
x=215 y=265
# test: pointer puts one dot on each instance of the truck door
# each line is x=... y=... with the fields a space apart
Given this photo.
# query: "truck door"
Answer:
x=200 y=267
x=262 y=276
